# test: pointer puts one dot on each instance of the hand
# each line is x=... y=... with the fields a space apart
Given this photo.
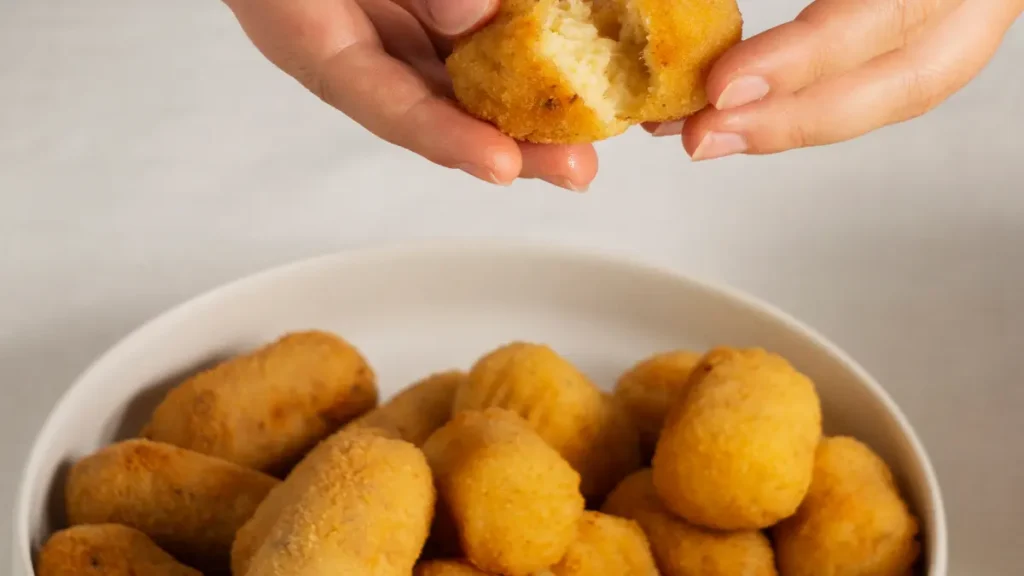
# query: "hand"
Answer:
x=380 y=62
x=842 y=69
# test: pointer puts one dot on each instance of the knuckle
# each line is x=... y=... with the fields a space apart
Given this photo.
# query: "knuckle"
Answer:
x=798 y=134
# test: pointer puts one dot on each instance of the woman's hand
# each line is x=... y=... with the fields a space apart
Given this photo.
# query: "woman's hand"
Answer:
x=842 y=69
x=380 y=62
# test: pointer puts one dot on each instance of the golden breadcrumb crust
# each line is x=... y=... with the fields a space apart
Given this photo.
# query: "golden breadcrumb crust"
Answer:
x=362 y=506
x=503 y=74
x=416 y=412
x=106 y=550
x=189 y=503
x=682 y=549
x=737 y=448
x=587 y=427
x=647 y=389
x=499 y=75
x=853 y=520
x=514 y=501
x=265 y=409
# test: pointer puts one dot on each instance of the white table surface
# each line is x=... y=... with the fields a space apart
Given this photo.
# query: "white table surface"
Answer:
x=148 y=153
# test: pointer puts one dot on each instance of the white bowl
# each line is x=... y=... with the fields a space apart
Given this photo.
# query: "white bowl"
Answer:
x=419 y=309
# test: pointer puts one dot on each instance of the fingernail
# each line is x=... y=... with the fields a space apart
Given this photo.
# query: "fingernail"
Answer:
x=454 y=17
x=669 y=128
x=563 y=182
x=719 y=144
x=482 y=173
x=742 y=91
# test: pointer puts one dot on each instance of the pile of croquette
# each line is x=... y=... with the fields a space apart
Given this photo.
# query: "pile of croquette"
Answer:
x=282 y=462
x=569 y=71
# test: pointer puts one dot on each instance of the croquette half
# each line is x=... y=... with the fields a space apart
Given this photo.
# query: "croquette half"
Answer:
x=569 y=71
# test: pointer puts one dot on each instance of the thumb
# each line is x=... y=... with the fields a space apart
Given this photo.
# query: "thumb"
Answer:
x=451 y=18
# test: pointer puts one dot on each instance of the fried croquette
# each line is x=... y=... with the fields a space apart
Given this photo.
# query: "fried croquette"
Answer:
x=447 y=568
x=362 y=504
x=189 y=503
x=569 y=71
x=591 y=431
x=106 y=550
x=737 y=449
x=647 y=389
x=264 y=410
x=515 y=502
x=416 y=412
x=606 y=545
x=252 y=534
x=852 y=521
x=682 y=549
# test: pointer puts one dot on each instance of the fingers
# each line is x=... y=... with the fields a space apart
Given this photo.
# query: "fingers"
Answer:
x=393 y=102
x=891 y=88
x=451 y=18
x=828 y=38
x=570 y=167
x=404 y=38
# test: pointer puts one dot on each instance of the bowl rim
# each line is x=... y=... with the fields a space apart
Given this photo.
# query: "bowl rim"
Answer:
x=455 y=248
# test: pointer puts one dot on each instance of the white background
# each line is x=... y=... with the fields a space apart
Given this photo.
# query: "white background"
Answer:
x=148 y=153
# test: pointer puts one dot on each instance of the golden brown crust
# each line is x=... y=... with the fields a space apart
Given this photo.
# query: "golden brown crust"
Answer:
x=361 y=503
x=607 y=545
x=685 y=37
x=853 y=520
x=591 y=431
x=682 y=549
x=264 y=410
x=647 y=389
x=416 y=412
x=106 y=550
x=513 y=499
x=251 y=535
x=189 y=503
x=500 y=76
x=737 y=449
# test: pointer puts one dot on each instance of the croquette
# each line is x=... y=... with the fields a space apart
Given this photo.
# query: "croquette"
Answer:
x=514 y=501
x=190 y=504
x=416 y=412
x=647 y=389
x=361 y=504
x=106 y=550
x=606 y=545
x=682 y=549
x=737 y=449
x=588 y=428
x=447 y=568
x=853 y=520
x=265 y=409
x=570 y=71
x=251 y=535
